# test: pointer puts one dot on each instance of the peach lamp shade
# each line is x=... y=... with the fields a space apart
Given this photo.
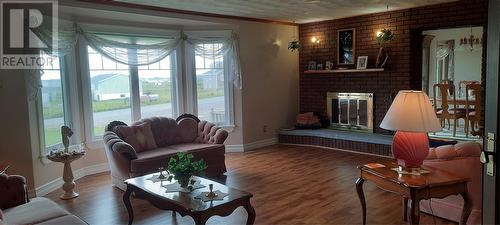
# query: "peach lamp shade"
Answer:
x=411 y=111
x=412 y=116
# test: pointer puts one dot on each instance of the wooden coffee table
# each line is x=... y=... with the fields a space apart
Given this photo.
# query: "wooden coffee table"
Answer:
x=413 y=188
x=185 y=203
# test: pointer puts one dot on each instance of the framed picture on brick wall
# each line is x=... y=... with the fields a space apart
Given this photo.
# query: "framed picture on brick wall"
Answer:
x=346 y=46
x=362 y=62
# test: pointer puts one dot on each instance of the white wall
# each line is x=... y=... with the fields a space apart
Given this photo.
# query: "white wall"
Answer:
x=269 y=96
x=467 y=63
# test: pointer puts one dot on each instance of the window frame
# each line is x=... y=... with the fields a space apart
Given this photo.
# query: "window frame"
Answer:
x=192 y=92
x=77 y=95
x=67 y=83
x=135 y=101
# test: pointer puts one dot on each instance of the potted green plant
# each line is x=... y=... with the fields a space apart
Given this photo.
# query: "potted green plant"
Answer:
x=294 y=45
x=182 y=168
x=383 y=37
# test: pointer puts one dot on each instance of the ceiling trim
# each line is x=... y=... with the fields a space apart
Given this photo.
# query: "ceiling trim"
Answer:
x=186 y=12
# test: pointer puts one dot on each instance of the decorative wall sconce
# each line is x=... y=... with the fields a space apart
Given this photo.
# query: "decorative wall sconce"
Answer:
x=315 y=41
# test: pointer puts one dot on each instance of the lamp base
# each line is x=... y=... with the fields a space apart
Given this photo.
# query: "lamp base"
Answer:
x=410 y=148
x=410 y=171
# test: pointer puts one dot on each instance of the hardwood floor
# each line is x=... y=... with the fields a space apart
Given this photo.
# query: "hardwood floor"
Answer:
x=291 y=185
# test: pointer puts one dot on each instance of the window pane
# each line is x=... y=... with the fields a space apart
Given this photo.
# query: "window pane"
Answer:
x=155 y=87
x=210 y=84
x=52 y=104
x=110 y=94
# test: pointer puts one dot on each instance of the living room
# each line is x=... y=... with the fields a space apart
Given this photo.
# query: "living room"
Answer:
x=302 y=101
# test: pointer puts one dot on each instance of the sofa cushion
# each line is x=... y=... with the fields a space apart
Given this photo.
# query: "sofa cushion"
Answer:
x=139 y=136
x=462 y=149
x=188 y=130
x=64 y=220
x=36 y=211
x=194 y=147
x=149 y=161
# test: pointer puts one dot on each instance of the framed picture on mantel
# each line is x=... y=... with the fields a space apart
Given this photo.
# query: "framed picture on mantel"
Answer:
x=346 y=46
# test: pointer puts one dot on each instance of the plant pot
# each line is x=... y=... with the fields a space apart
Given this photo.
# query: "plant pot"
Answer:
x=382 y=57
x=183 y=180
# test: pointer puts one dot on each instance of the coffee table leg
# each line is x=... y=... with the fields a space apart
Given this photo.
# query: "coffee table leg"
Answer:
x=126 y=201
x=251 y=212
x=361 y=195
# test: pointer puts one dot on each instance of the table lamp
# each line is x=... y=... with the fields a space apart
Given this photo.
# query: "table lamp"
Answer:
x=412 y=116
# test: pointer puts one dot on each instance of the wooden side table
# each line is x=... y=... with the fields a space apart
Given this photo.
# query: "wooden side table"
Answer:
x=413 y=188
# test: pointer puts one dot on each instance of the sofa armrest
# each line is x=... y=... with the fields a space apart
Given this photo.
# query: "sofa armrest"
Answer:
x=208 y=133
x=220 y=136
x=450 y=152
x=115 y=143
x=13 y=191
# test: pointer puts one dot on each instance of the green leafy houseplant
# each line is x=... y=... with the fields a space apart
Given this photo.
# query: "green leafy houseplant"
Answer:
x=294 y=45
x=385 y=36
x=183 y=168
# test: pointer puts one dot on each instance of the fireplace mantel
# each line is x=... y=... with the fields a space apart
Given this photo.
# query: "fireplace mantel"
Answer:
x=344 y=71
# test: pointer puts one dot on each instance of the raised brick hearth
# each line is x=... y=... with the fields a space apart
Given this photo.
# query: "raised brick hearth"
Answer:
x=403 y=67
x=354 y=141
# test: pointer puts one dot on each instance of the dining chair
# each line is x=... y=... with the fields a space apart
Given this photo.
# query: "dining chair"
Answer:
x=462 y=85
x=473 y=115
x=444 y=112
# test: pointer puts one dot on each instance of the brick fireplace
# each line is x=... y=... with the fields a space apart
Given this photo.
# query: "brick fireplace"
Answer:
x=350 y=111
x=403 y=69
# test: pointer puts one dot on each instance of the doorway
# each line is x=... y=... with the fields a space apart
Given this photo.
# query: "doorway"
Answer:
x=452 y=61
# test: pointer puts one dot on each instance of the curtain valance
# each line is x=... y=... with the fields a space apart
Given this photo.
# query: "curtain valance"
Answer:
x=146 y=49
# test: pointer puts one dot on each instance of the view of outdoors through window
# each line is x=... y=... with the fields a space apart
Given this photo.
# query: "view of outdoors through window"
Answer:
x=52 y=102
x=210 y=85
x=155 y=87
x=110 y=87
x=111 y=94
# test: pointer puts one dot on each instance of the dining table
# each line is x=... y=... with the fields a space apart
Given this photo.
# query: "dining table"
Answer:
x=459 y=101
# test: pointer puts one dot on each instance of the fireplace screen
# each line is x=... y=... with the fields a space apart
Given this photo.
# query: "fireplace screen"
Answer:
x=353 y=111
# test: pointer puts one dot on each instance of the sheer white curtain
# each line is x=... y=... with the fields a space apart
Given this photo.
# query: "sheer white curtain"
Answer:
x=446 y=60
x=147 y=49
x=228 y=47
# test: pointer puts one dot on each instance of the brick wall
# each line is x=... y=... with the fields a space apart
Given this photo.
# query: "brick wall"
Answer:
x=403 y=67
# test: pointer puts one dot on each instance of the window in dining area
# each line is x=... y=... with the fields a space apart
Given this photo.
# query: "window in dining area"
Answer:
x=451 y=76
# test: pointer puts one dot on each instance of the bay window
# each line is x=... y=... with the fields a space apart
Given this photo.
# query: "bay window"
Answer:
x=133 y=77
x=127 y=92
x=211 y=84
x=157 y=88
x=110 y=91
x=53 y=104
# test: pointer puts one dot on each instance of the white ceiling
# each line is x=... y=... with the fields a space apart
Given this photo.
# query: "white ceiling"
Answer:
x=299 y=11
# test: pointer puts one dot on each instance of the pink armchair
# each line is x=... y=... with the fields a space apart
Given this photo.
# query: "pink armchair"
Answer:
x=463 y=159
x=20 y=210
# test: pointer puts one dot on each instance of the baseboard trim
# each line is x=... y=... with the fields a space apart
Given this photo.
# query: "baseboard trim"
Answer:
x=79 y=173
x=234 y=148
x=251 y=145
x=338 y=149
x=260 y=144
